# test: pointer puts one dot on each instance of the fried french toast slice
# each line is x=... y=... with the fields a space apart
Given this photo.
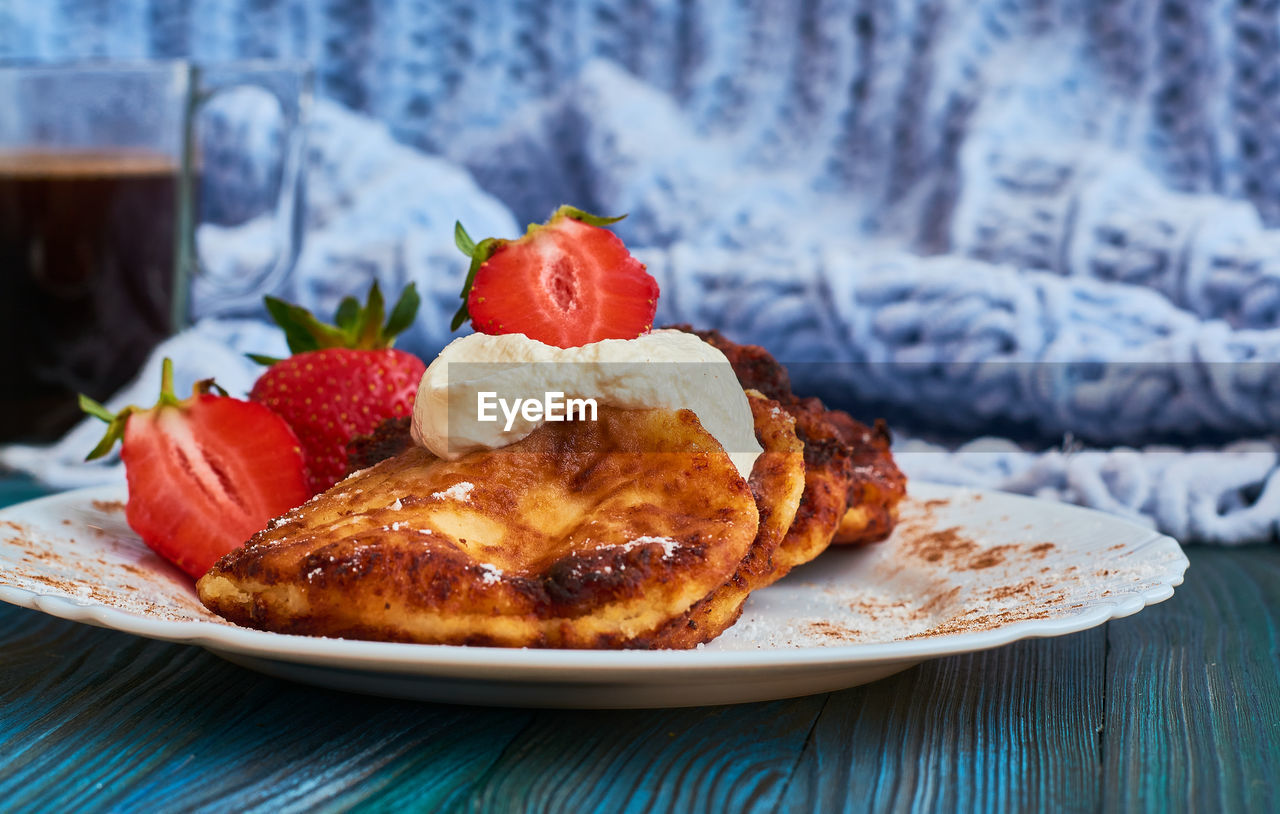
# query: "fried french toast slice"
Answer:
x=584 y=534
x=777 y=481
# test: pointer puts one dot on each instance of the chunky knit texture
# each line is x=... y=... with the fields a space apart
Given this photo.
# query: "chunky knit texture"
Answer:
x=1049 y=221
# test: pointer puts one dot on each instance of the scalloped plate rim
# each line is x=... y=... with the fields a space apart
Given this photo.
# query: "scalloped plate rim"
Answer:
x=565 y=665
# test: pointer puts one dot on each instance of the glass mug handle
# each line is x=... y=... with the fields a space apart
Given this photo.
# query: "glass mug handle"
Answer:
x=202 y=292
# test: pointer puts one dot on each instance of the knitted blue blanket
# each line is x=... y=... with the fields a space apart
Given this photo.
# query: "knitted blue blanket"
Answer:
x=1034 y=236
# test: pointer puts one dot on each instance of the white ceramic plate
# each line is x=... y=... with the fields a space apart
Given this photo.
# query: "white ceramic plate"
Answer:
x=964 y=571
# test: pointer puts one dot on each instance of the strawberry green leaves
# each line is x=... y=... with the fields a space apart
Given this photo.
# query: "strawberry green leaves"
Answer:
x=479 y=253
x=355 y=326
x=115 y=425
x=586 y=217
x=116 y=421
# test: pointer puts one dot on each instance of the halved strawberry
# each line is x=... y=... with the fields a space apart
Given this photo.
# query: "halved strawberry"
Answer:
x=342 y=380
x=567 y=282
x=204 y=473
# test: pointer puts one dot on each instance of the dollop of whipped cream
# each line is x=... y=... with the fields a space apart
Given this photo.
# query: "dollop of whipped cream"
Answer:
x=625 y=373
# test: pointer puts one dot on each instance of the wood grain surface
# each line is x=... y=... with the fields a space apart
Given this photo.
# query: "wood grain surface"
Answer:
x=1177 y=708
x=1014 y=729
x=1193 y=692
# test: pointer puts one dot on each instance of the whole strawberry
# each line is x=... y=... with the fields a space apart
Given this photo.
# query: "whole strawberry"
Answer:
x=204 y=473
x=343 y=379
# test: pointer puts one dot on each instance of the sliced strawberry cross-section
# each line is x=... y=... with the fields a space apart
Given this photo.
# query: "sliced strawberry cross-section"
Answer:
x=567 y=282
x=204 y=473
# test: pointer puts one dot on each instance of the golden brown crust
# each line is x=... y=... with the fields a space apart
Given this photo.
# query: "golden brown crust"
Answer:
x=827 y=475
x=845 y=460
x=877 y=486
x=838 y=450
x=777 y=481
x=584 y=534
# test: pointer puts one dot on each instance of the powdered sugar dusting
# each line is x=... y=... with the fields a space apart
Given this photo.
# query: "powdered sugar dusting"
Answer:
x=355 y=474
x=669 y=546
x=460 y=492
x=490 y=574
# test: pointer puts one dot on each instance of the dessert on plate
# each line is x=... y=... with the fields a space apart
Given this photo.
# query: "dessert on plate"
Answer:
x=582 y=534
x=689 y=476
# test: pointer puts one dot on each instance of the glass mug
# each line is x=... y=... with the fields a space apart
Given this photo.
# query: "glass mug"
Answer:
x=100 y=175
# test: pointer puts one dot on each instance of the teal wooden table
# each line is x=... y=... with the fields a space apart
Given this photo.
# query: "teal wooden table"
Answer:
x=1175 y=709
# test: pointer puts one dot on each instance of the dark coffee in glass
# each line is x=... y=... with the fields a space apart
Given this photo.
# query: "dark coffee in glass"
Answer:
x=98 y=185
x=88 y=252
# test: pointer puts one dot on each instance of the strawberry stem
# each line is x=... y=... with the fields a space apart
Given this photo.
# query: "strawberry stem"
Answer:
x=167 y=398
